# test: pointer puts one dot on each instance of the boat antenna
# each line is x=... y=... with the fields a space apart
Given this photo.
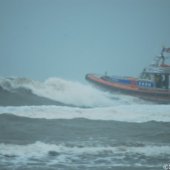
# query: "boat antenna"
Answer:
x=162 y=57
x=162 y=51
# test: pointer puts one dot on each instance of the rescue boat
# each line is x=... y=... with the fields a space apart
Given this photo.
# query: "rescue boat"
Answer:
x=153 y=84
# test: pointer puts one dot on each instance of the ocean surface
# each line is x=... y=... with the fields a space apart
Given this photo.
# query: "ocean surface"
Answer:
x=67 y=125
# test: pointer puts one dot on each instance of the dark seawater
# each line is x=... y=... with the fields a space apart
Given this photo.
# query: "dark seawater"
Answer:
x=22 y=97
x=63 y=125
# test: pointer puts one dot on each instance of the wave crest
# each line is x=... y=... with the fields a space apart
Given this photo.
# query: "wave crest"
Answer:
x=64 y=91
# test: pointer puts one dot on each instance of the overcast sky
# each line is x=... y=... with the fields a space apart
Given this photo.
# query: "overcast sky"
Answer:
x=69 y=38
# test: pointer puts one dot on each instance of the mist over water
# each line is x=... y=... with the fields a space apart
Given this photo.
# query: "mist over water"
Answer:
x=64 y=124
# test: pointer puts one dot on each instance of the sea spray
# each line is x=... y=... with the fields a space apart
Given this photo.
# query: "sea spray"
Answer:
x=67 y=92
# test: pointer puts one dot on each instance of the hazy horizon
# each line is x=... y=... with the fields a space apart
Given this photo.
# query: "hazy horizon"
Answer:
x=69 y=38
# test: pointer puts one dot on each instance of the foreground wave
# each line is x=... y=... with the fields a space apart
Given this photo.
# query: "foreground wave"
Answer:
x=88 y=156
x=125 y=113
x=74 y=144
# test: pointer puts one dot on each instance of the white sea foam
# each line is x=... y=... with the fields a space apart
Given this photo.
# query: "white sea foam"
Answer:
x=105 y=106
x=40 y=150
x=126 y=113
x=68 y=92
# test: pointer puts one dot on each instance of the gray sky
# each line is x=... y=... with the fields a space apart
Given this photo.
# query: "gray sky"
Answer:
x=69 y=38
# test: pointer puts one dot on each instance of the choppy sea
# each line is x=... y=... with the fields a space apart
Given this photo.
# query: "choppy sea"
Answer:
x=66 y=125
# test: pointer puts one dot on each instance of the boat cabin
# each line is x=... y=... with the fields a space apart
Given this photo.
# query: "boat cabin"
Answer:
x=156 y=75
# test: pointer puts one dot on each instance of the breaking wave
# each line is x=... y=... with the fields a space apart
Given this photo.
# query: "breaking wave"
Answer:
x=52 y=154
x=56 y=95
x=126 y=113
x=57 y=90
